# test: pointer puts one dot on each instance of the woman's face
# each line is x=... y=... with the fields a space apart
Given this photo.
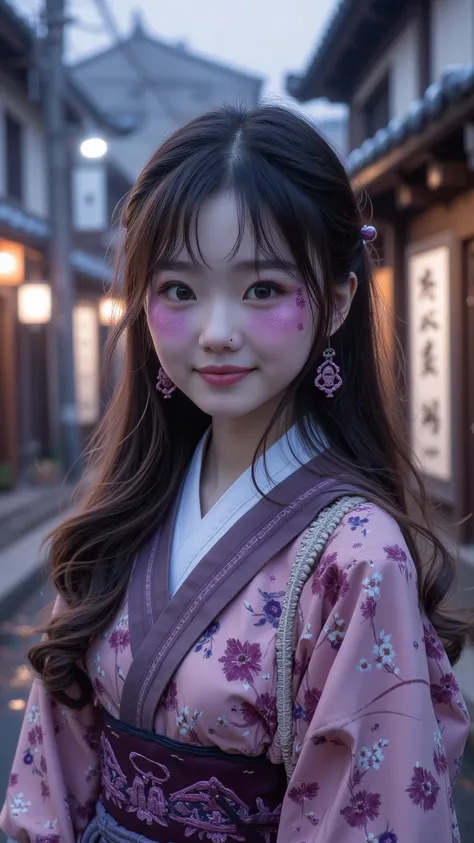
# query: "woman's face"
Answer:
x=231 y=334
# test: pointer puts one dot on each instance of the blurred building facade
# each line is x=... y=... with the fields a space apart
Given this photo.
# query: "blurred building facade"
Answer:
x=161 y=85
x=336 y=131
x=406 y=72
x=134 y=94
x=28 y=400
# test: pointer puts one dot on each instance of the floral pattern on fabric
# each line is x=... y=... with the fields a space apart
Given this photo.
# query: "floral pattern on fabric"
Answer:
x=389 y=734
x=379 y=723
x=53 y=737
x=271 y=608
x=206 y=641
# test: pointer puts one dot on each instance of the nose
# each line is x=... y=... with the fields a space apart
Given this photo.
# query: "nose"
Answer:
x=219 y=331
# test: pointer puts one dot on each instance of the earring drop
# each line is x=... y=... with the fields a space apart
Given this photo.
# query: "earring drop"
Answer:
x=164 y=384
x=368 y=233
x=328 y=378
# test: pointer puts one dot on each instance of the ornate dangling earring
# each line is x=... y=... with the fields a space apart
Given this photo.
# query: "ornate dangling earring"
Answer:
x=328 y=379
x=164 y=384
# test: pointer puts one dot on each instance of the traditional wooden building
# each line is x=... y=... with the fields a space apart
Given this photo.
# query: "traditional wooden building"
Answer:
x=28 y=399
x=163 y=84
x=406 y=71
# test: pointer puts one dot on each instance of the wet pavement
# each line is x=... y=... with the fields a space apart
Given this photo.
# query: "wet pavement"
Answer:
x=16 y=634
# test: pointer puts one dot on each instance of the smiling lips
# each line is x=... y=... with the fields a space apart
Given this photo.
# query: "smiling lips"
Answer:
x=223 y=375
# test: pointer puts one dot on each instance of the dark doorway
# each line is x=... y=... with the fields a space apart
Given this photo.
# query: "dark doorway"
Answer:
x=34 y=407
x=8 y=392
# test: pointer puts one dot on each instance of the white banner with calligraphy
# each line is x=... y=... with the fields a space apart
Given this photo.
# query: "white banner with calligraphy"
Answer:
x=430 y=361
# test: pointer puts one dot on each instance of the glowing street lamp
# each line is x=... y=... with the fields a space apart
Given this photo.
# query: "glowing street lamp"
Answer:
x=93 y=147
x=8 y=263
x=34 y=304
x=12 y=263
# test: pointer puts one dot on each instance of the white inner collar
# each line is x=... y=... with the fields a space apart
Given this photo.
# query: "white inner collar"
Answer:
x=193 y=535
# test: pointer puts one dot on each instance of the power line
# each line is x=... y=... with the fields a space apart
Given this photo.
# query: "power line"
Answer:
x=148 y=81
x=29 y=11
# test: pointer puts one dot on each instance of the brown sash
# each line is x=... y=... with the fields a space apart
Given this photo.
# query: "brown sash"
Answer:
x=164 y=630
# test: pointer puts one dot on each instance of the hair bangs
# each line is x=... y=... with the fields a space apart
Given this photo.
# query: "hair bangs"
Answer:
x=279 y=212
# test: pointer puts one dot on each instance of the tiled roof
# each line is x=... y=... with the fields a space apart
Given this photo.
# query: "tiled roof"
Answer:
x=22 y=223
x=296 y=85
x=456 y=84
x=140 y=35
x=353 y=34
x=91 y=265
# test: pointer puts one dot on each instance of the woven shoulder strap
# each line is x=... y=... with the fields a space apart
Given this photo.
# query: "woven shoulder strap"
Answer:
x=314 y=542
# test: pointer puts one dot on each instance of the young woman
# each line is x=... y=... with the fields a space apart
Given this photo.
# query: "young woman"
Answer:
x=247 y=644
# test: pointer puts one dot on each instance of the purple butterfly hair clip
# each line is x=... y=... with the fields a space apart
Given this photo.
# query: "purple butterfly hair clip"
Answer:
x=368 y=233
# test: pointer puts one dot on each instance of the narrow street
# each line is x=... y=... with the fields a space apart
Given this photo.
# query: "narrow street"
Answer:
x=15 y=636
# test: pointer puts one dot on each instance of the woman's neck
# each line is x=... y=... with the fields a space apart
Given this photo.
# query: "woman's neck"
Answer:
x=231 y=451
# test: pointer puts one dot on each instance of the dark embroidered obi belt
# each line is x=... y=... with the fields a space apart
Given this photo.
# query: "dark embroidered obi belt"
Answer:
x=167 y=791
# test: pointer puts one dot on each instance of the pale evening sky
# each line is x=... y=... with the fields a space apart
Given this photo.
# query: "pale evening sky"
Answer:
x=268 y=37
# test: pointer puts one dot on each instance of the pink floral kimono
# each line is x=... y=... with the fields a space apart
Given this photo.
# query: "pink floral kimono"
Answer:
x=182 y=739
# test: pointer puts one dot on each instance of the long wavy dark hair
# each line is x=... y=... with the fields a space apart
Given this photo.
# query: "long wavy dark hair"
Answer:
x=279 y=167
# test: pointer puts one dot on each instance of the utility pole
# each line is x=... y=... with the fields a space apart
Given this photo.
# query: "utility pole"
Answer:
x=62 y=281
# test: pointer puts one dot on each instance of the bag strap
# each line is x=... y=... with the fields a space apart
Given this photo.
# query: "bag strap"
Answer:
x=307 y=556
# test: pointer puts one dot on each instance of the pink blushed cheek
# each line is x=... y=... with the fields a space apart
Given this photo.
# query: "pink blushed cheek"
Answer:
x=166 y=323
x=283 y=320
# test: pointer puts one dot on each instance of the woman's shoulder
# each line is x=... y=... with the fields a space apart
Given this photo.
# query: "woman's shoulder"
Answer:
x=367 y=528
x=364 y=570
x=367 y=541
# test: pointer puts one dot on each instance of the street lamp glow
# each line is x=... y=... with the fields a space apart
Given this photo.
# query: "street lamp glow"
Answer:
x=93 y=148
x=34 y=304
x=17 y=705
x=7 y=263
x=12 y=263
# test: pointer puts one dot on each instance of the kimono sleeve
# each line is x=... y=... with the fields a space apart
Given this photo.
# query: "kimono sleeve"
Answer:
x=54 y=780
x=379 y=724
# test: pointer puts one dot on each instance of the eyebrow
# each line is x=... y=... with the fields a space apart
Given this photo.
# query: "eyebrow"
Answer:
x=238 y=266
